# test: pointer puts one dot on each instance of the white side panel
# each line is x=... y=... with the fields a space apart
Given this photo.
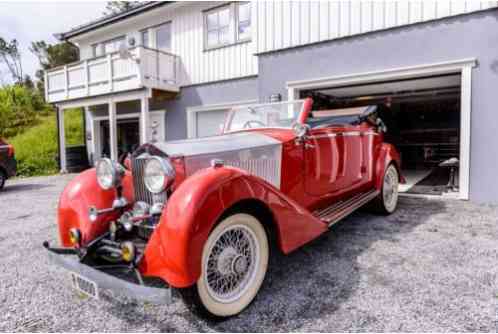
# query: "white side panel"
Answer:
x=282 y=24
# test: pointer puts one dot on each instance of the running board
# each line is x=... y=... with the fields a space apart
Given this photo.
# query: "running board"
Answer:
x=341 y=209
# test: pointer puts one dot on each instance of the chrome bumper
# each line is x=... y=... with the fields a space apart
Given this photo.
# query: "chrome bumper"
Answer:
x=67 y=259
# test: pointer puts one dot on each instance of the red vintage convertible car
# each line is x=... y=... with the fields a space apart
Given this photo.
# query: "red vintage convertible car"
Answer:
x=201 y=215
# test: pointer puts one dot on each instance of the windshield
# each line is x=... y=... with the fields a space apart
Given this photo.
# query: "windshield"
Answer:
x=271 y=115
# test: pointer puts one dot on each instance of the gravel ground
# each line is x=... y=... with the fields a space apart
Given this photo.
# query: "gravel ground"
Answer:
x=431 y=266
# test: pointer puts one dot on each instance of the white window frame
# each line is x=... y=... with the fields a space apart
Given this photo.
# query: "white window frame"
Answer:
x=142 y=32
x=101 y=46
x=237 y=6
x=154 y=32
x=233 y=31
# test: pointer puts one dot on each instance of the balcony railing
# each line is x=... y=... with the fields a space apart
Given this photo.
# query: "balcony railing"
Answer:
x=111 y=73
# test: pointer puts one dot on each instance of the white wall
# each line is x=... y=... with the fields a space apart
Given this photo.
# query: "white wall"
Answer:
x=283 y=24
x=197 y=65
x=276 y=25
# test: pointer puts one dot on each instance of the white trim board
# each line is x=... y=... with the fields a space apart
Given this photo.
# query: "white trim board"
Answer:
x=192 y=111
x=461 y=66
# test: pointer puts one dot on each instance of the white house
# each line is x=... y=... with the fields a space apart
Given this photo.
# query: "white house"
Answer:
x=184 y=64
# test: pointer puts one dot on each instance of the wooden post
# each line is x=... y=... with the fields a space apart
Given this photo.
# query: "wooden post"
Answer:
x=144 y=119
x=62 y=141
x=113 y=138
x=109 y=65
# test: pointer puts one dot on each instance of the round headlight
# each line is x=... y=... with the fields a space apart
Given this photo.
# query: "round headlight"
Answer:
x=108 y=174
x=159 y=174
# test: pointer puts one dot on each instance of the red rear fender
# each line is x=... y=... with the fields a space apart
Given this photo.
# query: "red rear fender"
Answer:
x=387 y=154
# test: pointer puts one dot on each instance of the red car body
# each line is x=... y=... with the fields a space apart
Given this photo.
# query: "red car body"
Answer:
x=329 y=165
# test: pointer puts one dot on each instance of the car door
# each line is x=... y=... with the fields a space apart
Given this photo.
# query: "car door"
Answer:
x=334 y=160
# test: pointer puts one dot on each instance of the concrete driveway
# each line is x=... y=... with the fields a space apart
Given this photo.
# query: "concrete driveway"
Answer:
x=431 y=266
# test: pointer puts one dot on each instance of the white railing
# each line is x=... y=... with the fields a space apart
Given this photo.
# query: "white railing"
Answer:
x=112 y=73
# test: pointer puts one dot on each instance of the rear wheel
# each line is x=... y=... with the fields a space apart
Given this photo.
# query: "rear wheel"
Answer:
x=234 y=264
x=3 y=178
x=387 y=200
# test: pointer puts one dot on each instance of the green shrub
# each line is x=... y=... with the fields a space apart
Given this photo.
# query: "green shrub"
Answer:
x=19 y=109
x=37 y=148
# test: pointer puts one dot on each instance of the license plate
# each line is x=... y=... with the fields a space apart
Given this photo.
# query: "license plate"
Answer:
x=85 y=286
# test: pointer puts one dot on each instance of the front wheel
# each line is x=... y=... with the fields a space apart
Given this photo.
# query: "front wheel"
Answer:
x=387 y=201
x=234 y=263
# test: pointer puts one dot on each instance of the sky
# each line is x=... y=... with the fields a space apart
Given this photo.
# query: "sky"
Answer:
x=33 y=21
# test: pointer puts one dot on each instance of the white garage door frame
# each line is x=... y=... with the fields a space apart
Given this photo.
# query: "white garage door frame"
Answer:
x=461 y=66
x=192 y=113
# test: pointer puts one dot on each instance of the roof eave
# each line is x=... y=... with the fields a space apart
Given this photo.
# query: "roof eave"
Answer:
x=108 y=20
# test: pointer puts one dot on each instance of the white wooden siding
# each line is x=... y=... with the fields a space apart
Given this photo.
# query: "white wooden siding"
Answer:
x=275 y=25
x=294 y=23
x=196 y=65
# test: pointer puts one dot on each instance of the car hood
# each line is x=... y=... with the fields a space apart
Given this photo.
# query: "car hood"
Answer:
x=216 y=144
x=257 y=153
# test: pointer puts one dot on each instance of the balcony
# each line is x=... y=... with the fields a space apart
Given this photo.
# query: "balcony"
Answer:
x=145 y=68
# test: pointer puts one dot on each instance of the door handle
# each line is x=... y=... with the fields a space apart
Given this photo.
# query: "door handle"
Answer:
x=308 y=145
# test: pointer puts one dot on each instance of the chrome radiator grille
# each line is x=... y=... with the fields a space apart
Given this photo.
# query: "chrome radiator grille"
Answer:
x=141 y=192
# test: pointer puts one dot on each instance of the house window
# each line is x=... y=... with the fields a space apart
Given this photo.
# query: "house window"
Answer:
x=113 y=45
x=218 y=26
x=98 y=50
x=107 y=47
x=163 y=37
x=243 y=21
x=145 y=38
x=227 y=24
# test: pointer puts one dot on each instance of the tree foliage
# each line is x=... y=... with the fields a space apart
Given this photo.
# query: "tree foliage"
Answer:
x=11 y=57
x=116 y=7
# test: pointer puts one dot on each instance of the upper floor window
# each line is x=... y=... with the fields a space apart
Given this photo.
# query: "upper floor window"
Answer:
x=243 y=21
x=163 y=36
x=218 y=26
x=144 y=35
x=109 y=46
x=227 y=24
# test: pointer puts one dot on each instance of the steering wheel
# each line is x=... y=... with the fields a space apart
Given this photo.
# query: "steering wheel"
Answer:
x=247 y=125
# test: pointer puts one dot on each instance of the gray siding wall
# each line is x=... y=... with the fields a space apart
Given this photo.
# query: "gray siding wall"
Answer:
x=473 y=35
x=201 y=95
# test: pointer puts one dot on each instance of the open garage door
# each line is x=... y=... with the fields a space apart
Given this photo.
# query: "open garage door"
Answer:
x=423 y=120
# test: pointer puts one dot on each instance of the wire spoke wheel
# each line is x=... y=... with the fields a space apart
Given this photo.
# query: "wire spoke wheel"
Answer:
x=390 y=189
x=234 y=264
x=231 y=263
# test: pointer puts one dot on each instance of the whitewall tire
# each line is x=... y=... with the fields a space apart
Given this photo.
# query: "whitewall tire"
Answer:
x=387 y=201
x=234 y=264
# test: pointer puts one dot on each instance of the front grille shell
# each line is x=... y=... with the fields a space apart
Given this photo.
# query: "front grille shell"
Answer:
x=141 y=192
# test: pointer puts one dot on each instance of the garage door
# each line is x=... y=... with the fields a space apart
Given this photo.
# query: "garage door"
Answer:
x=209 y=122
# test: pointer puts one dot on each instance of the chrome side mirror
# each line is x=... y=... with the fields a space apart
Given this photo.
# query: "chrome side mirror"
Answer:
x=381 y=126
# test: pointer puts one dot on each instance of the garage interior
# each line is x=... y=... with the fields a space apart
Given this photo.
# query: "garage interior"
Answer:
x=423 y=122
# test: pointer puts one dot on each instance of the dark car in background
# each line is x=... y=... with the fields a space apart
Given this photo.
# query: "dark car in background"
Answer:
x=8 y=164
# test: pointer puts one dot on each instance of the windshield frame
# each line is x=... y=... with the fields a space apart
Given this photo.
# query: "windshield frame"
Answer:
x=301 y=117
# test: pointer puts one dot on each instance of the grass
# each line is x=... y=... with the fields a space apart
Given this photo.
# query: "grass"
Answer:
x=37 y=149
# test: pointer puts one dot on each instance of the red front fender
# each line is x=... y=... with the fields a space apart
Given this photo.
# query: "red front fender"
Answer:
x=174 y=251
x=78 y=196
